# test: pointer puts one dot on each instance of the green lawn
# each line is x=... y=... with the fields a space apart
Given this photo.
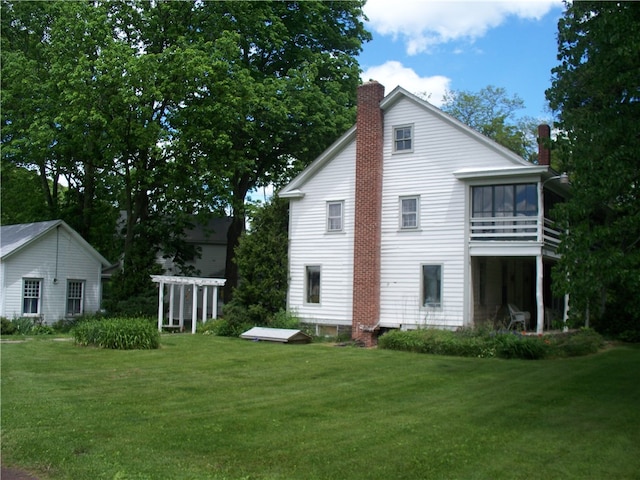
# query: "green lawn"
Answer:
x=204 y=407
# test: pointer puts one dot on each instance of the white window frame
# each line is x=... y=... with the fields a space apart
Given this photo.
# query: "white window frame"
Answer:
x=416 y=213
x=403 y=140
x=310 y=297
x=30 y=294
x=331 y=228
x=423 y=287
x=75 y=298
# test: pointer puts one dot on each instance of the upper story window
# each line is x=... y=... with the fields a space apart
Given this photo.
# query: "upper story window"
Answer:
x=505 y=200
x=31 y=296
x=403 y=138
x=75 y=297
x=409 y=212
x=335 y=216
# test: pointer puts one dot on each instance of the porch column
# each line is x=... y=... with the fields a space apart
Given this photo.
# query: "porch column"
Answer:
x=565 y=313
x=194 y=307
x=160 y=304
x=539 y=295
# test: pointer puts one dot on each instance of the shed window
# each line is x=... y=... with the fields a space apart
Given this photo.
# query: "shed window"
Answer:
x=75 y=297
x=31 y=296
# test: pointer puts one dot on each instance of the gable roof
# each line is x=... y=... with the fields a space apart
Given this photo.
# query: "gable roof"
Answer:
x=292 y=190
x=14 y=238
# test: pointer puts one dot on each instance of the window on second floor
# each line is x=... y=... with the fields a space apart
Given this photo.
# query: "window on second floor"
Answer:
x=409 y=212
x=31 y=296
x=505 y=200
x=75 y=297
x=403 y=138
x=335 y=216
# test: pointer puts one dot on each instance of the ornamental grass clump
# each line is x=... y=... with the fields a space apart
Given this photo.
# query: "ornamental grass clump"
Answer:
x=118 y=334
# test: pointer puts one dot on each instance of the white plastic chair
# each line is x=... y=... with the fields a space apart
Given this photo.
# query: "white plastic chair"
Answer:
x=517 y=317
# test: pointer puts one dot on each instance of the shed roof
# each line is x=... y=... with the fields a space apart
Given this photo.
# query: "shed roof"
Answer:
x=282 y=335
x=13 y=238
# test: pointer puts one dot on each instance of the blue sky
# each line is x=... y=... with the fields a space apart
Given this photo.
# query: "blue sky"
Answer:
x=430 y=46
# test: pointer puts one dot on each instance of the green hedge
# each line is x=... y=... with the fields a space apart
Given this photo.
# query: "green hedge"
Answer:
x=117 y=333
x=483 y=344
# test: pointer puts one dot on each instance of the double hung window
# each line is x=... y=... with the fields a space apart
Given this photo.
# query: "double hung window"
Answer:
x=403 y=138
x=335 y=216
x=31 y=296
x=409 y=212
x=75 y=297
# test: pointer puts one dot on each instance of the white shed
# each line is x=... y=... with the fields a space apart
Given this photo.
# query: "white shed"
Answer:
x=48 y=271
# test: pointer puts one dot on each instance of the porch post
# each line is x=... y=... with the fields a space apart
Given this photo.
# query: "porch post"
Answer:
x=194 y=307
x=539 y=295
x=160 y=304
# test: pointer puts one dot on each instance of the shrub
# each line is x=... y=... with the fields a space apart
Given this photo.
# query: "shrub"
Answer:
x=42 y=330
x=512 y=345
x=118 y=333
x=7 y=327
x=23 y=325
x=582 y=342
x=285 y=319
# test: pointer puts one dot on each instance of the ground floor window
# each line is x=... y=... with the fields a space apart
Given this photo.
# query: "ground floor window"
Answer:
x=432 y=285
x=31 y=296
x=75 y=297
x=312 y=284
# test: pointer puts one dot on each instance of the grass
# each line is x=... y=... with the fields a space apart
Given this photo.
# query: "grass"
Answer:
x=204 y=407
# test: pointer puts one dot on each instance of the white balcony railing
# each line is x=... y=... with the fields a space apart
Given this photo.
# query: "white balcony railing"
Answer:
x=514 y=229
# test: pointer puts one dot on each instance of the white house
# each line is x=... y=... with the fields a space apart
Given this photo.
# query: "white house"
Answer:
x=413 y=219
x=47 y=270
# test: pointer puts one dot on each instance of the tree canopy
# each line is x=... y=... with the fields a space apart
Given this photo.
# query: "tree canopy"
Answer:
x=171 y=110
x=595 y=93
x=492 y=112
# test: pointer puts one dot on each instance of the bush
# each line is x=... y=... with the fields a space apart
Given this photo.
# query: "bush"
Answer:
x=42 y=330
x=284 y=319
x=483 y=343
x=118 y=333
x=7 y=327
x=23 y=325
x=519 y=346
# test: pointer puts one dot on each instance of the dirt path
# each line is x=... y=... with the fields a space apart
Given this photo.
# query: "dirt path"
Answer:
x=13 y=474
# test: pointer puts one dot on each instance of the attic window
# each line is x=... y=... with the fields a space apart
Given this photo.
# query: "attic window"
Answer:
x=403 y=138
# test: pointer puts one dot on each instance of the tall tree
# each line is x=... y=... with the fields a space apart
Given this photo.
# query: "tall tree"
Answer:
x=596 y=94
x=277 y=84
x=492 y=112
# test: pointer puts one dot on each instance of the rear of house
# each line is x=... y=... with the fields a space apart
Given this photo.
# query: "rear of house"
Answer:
x=412 y=219
x=48 y=272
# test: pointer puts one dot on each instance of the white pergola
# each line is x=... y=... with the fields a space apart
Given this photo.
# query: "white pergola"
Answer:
x=182 y=282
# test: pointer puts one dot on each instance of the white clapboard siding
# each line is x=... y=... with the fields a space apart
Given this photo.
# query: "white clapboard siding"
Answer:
x=311 y=244
x=439 y=149
x=56 y=257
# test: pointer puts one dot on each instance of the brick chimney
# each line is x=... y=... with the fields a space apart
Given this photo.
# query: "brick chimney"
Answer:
x=544 y=150
x=368 y=214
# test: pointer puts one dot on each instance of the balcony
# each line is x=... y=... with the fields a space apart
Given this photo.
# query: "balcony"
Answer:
x=509 y=229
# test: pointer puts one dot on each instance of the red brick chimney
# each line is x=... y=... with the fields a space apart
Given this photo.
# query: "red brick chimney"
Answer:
x=368 y=213
x=544 y=150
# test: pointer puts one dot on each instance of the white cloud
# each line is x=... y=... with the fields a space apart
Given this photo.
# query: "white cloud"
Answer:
x=421 y=24
x=392 y=73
